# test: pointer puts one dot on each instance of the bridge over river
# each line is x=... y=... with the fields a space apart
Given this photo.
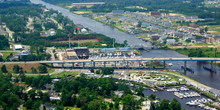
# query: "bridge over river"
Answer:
x=125 y=63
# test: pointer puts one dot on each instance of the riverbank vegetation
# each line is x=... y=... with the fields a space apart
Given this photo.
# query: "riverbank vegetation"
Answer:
x=199 y=52
x=151 y=5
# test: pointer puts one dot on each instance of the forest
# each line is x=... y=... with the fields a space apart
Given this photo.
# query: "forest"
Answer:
x=3 y=42
x=81 y=92
x=193 y=7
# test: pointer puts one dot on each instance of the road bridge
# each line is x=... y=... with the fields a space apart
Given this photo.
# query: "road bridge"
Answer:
x=101 y=63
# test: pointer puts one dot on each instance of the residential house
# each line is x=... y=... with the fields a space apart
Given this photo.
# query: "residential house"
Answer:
x=154 y=13
x=217 y=38
x=188 y=37
x=155 y=37
x=171 y=41
x=116 y=12
x=162 y=39
x=175 y=18
x=191 y=18
x=24 y=52
x=17 y=47
x=21 y=85
x=209 y=40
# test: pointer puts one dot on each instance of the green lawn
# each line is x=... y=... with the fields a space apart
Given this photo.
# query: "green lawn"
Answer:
x=71 y=108
x=63 y=74
x=215 y=29
x=5 y=54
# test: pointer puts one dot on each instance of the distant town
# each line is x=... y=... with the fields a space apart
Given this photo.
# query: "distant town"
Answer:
x=109 y=55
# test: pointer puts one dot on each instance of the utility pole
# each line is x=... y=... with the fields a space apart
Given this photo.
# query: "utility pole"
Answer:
x=69 y=38
x=113 y=43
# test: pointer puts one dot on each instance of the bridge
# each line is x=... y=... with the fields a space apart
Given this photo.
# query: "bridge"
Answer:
x=125 y=63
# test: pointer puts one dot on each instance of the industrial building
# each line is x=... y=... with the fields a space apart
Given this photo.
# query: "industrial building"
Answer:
x=76 y=53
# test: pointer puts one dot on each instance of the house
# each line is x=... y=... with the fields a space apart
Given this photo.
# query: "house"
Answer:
x=217 y=38
x=191 y=18
x=209 y=40
x=151 y=13
x=108 y=50
x=3 y=32
x=21 y=85
x=71 y=54
x=188 y=37
x=171 y=41
x=17 y=47
x=48 y=86
x=82 y=52
x=175 y=18
x=1 y=55
x=155 y=37
x=24 y=52
x=55 y=80
x=117 y=12
x=83 y=30
x=46 y=107
x=162 y=39
x=119 y=93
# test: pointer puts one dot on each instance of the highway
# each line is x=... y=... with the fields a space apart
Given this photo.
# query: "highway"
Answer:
x=115 y=60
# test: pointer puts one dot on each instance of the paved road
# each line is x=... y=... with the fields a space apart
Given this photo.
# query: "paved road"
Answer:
x=112 y=60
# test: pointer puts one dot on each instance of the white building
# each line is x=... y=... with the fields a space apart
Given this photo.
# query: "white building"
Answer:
x=17 y=47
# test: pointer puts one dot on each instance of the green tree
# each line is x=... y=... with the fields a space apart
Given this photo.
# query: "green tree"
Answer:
x=97 y=104
x=125 y=43
x=4 y=69
x=139 y=23
x=129 y=103
x=92 y=70
x=98 y=71
x=42 y=69
x=107 y=70
x=164 y=104
x=175 y=105
x=16 y=69
x=152 y=97
x=33 y=70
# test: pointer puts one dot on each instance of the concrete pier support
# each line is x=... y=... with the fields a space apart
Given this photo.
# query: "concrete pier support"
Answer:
x=84 y=65
x=212 y=68
x=104 y=64
x=62 y=65
x=127 y=64
x=73 y=65
x=93 y=64
x=115 y=64
x=184 y=65
x=139 y=62
x=52 y=65
x=164 y=64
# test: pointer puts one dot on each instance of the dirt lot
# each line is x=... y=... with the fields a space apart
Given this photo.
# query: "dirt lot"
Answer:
x=26 y=67
x=80 y=41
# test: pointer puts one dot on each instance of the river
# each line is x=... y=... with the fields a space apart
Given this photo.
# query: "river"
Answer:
x=97 y=27
x=210 y=79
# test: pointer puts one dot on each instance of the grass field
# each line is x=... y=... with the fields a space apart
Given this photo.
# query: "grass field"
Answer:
x=71 y=108
x=214 y=29
x=63 y=74
x=26 y=67
x=82 y=12
x=6 y=54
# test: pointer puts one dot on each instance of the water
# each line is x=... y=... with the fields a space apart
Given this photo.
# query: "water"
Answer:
x=201 y=75
x=169 y=96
